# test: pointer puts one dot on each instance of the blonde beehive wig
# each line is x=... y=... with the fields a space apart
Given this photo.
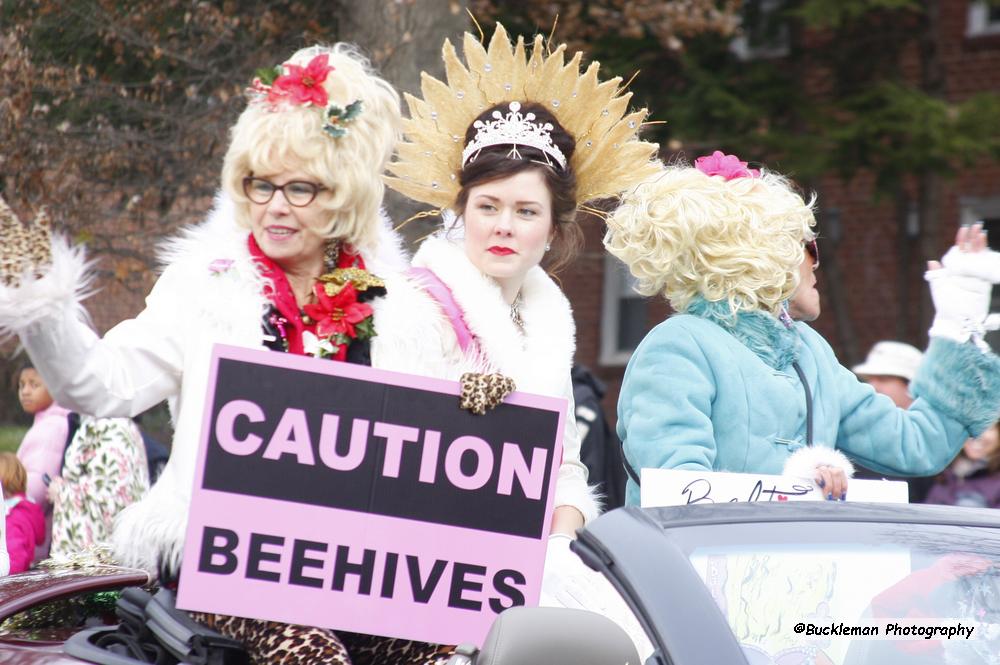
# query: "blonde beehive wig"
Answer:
x=264 y=142
x=685 y=234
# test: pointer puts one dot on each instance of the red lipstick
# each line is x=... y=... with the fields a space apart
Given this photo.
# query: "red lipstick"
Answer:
x=501 y=251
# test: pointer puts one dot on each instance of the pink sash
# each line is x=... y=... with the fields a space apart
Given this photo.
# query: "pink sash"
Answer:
x=440 y=292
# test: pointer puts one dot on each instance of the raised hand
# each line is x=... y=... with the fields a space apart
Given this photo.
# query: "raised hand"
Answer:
x=970 y=256
x=24 y=249
x=961 y=287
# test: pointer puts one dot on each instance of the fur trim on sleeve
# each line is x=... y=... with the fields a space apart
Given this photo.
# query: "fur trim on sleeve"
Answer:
x=962 y=382
x=803 y=462
x=581 y=496
x=149 y=534
x=66 y=284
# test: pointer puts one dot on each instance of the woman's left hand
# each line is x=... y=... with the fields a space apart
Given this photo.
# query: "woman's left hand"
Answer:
x=832 y=481
x=961 y=288
x=970 y=256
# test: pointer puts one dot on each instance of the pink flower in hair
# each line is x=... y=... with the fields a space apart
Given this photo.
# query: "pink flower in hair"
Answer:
x=728 y=166
x=304 y=85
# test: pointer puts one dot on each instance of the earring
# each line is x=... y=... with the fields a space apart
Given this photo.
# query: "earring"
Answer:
x=331 y=253
x=548 y=246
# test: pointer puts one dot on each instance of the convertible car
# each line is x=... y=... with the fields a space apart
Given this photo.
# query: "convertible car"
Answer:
x=726 y=583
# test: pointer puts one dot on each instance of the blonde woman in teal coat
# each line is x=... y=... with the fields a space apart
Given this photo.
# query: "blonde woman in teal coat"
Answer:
x=724 y=384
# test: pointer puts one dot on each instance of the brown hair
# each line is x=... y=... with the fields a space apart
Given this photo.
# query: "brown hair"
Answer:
x=13 y=477
x=495 y=163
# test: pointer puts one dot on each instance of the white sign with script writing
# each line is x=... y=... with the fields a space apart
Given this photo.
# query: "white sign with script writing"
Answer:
x=672 y=487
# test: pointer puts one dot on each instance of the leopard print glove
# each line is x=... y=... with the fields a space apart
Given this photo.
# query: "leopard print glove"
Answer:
x=484 y=391
x=24 y=248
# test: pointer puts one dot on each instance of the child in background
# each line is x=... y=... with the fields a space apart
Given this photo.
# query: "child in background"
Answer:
x=25 y=521
x=105 y=471
x=41 y=450
x=973 y=478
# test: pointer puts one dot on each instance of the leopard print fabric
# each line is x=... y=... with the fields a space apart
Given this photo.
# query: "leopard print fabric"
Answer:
x=23 y=247
x=269 y=642
x=272 y=642
x=484 y=391
x=375 y=650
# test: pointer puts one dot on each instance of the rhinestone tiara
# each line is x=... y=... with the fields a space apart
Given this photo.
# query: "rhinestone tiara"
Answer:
x=514 y=129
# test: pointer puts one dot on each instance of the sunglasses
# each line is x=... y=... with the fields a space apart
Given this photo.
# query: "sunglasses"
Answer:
x=813 y=249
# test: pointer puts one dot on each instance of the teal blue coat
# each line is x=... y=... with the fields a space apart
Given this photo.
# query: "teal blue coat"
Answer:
x=707 y=390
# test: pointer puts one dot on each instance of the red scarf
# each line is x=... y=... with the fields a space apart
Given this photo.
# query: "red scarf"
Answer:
x=279 y=292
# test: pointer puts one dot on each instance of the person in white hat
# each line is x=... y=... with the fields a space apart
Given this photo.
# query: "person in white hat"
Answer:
x=889 y=368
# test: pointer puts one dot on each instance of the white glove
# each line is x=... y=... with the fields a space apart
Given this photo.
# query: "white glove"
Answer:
x=983 y=264
x=568 y=582
x=961 y=306
x=560 y=563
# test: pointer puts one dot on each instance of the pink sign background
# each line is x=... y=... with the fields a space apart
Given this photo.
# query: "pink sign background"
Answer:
x=483 y=553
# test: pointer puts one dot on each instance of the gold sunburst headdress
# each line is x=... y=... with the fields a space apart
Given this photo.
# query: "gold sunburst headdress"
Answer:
x=609 y=157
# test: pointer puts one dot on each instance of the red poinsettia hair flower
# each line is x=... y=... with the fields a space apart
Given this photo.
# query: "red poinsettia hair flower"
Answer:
x=337 y=314
x=304 y=85
x=728 y=166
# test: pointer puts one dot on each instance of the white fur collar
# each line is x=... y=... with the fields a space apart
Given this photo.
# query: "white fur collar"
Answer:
x=539 y=360
x=224 y=285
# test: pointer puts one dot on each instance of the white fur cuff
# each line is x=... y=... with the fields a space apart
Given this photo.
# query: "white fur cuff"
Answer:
x=982 y=265
x=580 y=495
x=803 y=462
x=60 y=290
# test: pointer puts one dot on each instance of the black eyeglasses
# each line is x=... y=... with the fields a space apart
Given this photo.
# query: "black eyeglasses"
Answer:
x=298 y=193
x=812 y=247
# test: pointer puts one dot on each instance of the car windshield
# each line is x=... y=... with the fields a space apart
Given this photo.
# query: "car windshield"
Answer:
x=795 y=592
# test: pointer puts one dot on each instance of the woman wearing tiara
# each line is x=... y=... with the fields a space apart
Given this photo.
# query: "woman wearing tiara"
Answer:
x=478 y=300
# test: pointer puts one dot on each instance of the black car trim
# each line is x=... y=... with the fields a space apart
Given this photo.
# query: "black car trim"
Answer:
x=628 y=547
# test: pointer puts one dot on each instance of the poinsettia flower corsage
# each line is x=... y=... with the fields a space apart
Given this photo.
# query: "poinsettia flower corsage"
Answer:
x=339 y=316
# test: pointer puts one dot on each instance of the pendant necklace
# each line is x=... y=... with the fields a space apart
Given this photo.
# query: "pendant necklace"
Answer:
x=515 y=312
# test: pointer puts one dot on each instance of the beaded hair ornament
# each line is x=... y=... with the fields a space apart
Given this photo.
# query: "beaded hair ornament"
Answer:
x=608 y=159
x=294 y=85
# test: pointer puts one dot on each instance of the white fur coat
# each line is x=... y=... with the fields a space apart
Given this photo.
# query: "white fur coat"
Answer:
x=415 y=336
x=210 y=292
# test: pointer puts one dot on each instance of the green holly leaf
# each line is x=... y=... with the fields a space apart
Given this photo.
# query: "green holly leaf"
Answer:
x=365 y=329
x=268 y=74
x=338 y=116
x=352 y=111
x=334 y=130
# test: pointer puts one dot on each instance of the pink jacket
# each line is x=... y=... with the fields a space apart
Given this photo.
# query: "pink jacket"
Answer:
x=41 y=450
x=25 y=530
